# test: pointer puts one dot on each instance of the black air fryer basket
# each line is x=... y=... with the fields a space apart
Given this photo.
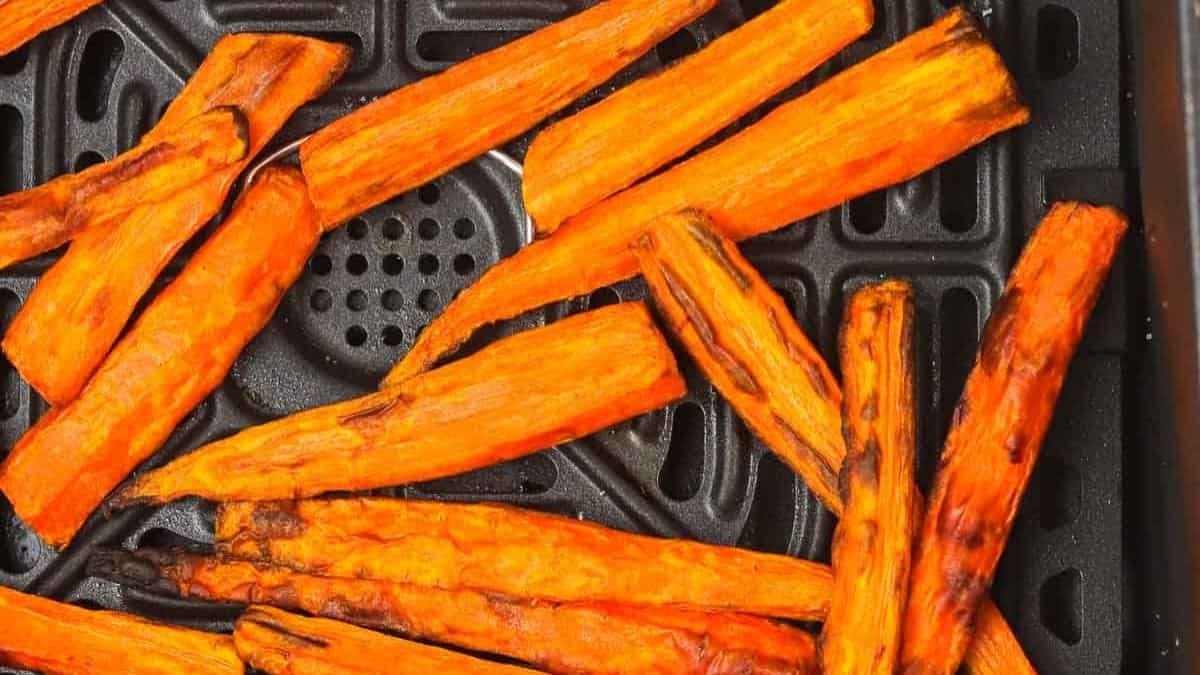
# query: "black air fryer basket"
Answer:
x=1096 y=577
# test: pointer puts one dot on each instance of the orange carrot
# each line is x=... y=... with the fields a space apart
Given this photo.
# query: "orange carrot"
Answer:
x=519 y=553
x=998 y=426
x=581 y=160
x=890 y=118
x=79 y=307
x=22 y=20
x=450 y=118
x=48 y=216
x=172 y=358
x=517 y=396
x=60 y=639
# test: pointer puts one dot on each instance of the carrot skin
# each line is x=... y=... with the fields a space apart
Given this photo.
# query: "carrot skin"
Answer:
x=581 y=638
x=607 y=147
x=888 y=119
x=519 y=553
x=45 y=217
x=280 y=643
x=520 y=395
x=172 y=358
x=80 y=306
x=23 y=20
x=60 y=639
x=444 y=120
x=997 y=429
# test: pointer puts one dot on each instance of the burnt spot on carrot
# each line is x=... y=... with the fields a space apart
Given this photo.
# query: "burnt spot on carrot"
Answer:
x=276 y=520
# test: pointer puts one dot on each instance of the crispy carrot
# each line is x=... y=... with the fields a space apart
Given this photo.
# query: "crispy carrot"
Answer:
x=515 y=397
x=583 y=638
x=445 y=120
x=519 y=553
x=173 y=357
x=48 y=216
x=23 y=20
x=741 y=334
x=581 y=160
x=79 y=307
x=874 y=537
x=997 y=428
x=890 y=118
x=280 y=643
x=60 y=639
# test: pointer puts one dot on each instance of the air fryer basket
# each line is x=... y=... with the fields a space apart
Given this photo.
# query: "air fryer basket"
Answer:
x=88 y=90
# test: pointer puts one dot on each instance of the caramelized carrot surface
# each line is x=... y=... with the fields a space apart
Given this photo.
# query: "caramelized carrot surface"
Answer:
x=23 y=20
x=517 y=396
x=519 y=553
x=48 y=216
x=874 y=536
x=892 y=117
x=741 y=334
x=173 y=357
x=581 y=160
x=583 y=638
x=997 y=428
x=431 y=126
x=80 y=306
x=60 y=639
x=280 y=643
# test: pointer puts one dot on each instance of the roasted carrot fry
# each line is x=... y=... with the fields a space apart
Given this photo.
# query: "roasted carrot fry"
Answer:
x=519 y=553
x=581 y=160
x=48 y=216
x=173 y=357
x=873 y=542
x=280 y=643
x=582 y=638
x=890 y=118
x=744 y=339
x=23 y=20
x=79 y=307
x=518 y=396
x=60 y=639
x=997 y=428
x=442 y=121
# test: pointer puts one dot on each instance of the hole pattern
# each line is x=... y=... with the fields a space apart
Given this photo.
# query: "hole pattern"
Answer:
x=321 y=265
x=1061 y=604
x=454 y=46
x=429 y=194
x=602 y=297
x=868 y=213
x=357 y=228
x=464 y=228
x=772 y=513
x=356 y=300
x=428 y=264
x=464 y=264
x=14 y=62
x=356 y=264
x=676 y=47
x=98 y=67
x=428 y=300
x=87 y=158
x=392 y=300
x=1057 y=42
x=321 y=300
x=959 y=339
x=393 y=265
x=392 y=229
x=683 y=470
x=356 y=336
x=960 y=192
x=393 y=336
x=12 y=162
x=428 y=229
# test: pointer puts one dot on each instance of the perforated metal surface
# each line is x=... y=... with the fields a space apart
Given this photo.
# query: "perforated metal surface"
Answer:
x=88 y=90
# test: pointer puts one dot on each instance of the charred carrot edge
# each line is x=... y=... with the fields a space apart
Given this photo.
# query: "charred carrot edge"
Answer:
x=57 y=638
x=742 y=335
x=23 y=20
x=520 y=395
x=280 y=643
x=579 y=161
x=519 y=553
x=892 y=117
x=583 y=638
x=48 y=216
x=172 y=358
x=445 y=120
x=79 y=307
x=874 y=536
x=998 y=426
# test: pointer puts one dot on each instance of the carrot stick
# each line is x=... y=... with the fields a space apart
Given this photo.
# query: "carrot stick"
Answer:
x=741 y=334
x=280 y=643
x=582 y=638
x=79 y=307
x=442 y=121
x=892 y=117
x=518 y=396
x=172 y=358
x=581 y=160
x=999 y=424
x=22 y=20
x=519 y=553
x=48 y=216
x=61 y=639
x=873 y=542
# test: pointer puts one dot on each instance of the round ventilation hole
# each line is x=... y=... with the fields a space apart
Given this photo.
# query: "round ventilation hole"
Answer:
x=429 y=194
x=356 y=264
x=393 y=265
x=356 y=336
x=356 y=300
x=320 y=264
x=464 y=264
x=464 y=229
x=392 y=300
x=393 y=229
x=321 y=300
x=428 y=264
x=428 y=300
x=428 y=229
x=393 y=336
x=357 y=228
